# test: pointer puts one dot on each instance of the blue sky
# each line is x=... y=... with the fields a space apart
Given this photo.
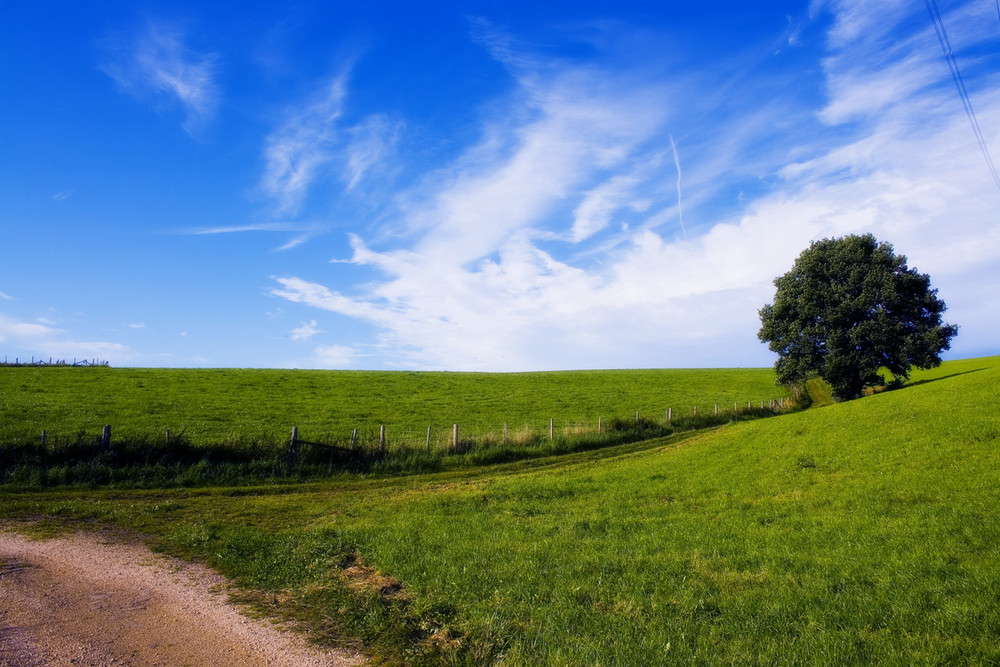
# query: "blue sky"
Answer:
x=475 y=185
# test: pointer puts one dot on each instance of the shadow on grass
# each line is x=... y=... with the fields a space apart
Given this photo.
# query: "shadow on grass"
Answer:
x=943 y=377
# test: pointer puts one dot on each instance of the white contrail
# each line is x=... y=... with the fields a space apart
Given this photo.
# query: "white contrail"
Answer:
x=680 y=203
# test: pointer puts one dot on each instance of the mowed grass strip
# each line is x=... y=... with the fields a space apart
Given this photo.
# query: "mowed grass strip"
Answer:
x=856 y=533
x=215 y=406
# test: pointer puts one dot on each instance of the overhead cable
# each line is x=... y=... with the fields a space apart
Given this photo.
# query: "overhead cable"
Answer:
x=956 y=76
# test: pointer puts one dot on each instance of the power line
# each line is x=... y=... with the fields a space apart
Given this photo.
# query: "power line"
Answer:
x=956 y=76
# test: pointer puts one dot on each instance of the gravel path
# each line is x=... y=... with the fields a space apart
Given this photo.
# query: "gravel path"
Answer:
x=82 y=600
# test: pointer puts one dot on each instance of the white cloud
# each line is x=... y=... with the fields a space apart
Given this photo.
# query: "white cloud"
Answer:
x=312 y=141
x=335 y=356
x=12 y=331
x=158 y=64
x=515 y=264
x=43 y=340
x=370 y=143
x=137 y=325
x=6 y=297
x=302 y=145
x=594 y=213
x=306 y=331
x=304 y=231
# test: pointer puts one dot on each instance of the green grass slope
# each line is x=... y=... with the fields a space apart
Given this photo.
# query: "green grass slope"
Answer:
x=211 y=406
x=858 y=533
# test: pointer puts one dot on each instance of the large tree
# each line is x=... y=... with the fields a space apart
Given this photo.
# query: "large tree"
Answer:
x=848 y=308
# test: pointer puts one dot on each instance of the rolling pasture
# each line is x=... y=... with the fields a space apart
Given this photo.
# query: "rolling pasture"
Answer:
x=245 y=416
x=863 y=532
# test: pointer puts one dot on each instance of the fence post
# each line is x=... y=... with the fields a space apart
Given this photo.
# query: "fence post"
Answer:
x=505 y=433
x=694 y=411
x=454 y=437
x=550 y=429
x=43 y=437
x=381 y=437
x=428 y=448
x=105 y=437
x=599 y=424
x=293 y=446
x=716 y=409
x=168 y=437
x=670 y=415
x=354 y=439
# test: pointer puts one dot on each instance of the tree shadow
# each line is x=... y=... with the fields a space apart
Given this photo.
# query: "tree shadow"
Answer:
x=943 y=377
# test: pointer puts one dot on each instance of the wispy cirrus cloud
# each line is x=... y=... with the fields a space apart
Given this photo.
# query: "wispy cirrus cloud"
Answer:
x=302 y=145
x=558 y=237
x=302 y=231
x=312 y=141
x=156 y=64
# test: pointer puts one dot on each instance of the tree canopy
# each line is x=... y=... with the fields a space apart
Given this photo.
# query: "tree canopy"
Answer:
x=849 y=308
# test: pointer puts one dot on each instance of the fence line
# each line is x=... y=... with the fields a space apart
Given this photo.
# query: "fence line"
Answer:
x=449 y=440
x=57 y=362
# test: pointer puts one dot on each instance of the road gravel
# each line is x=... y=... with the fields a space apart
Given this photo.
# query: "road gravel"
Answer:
x=88 y=599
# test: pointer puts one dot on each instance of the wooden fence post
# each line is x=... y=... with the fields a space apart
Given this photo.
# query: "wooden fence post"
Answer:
x=505 y=433
x=168 y=438
x=550 y=429
x=599 y=424
x=428 y=448
x=381 y=437
x=354 y=439
x=105 y=437
x=716 y=409
x=454 y=437
x=670 y=415
x=694 y=411
x=43 y=438
x=293 y=446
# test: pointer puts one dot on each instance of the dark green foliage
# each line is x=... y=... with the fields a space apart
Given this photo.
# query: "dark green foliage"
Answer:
x=848 y=308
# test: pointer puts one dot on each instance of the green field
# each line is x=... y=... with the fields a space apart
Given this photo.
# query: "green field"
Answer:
x=855 y=533
x=230 y=425
x=216 y=405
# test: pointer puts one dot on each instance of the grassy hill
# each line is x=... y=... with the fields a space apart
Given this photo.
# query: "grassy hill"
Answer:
x=855 y=533
x=216 y=405
x=184 y=426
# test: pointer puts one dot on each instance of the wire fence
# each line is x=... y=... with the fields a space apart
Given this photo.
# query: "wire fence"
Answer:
x=54 y=362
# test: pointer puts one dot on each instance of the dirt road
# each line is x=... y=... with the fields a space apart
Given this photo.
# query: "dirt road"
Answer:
x=84 y=600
